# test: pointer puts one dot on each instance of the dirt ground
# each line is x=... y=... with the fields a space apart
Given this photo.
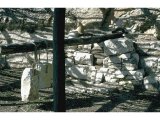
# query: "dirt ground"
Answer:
x=124 y=100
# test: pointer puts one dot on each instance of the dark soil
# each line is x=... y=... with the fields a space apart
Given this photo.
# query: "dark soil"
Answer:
x=124 y=100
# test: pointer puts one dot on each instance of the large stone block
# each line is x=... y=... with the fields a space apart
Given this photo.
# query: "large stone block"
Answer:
x=29 y=84
x=118 y=46
x=83 y=58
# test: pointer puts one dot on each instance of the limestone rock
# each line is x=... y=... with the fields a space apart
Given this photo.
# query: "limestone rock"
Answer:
x=83 y=58
x=118 y=46
x=29 y=84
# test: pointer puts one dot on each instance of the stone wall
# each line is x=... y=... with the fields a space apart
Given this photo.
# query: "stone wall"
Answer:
x=117 y=61
x=113 y=61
